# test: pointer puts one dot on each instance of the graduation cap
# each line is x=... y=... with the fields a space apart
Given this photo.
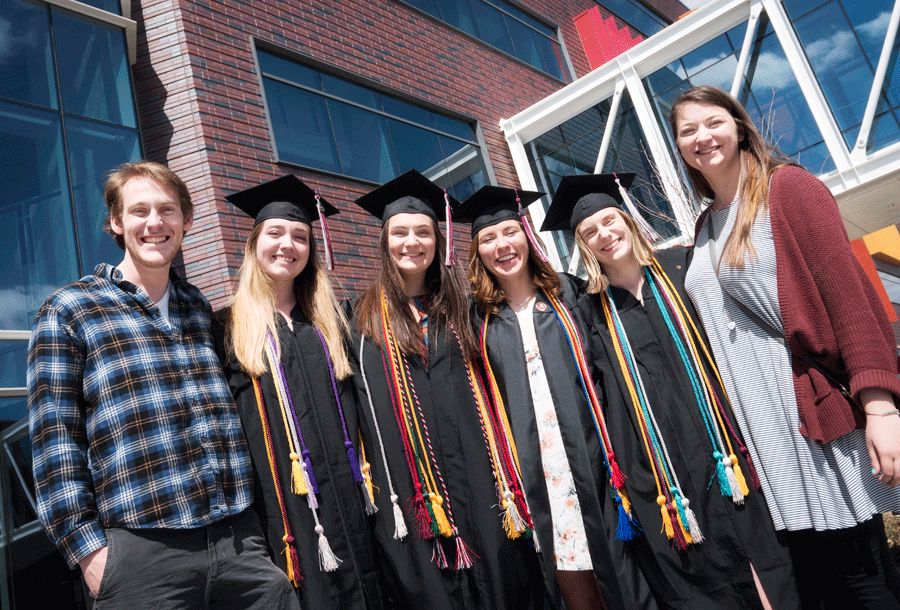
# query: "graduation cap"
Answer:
x=412 y=193
x=579 y=197
x=493 y=204
x=288 y=198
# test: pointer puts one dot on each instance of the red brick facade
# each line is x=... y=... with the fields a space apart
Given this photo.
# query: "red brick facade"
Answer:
x=201 y=104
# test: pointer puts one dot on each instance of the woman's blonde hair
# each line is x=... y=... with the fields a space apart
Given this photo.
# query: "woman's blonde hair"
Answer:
x=597 y=281
x=486 y=290
x=253 y=312
x=759 y=159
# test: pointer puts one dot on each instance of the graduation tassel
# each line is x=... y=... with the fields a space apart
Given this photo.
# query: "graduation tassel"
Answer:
x=512 y=520
x=328 y=561
x=298 y=481
x=529 y=233
x=737 y=495
x=354 y=463
x=753 y=476
x=681 y=541
x=307 y=466
x=369 y=490
x=625 y=529
x=450 y=256
x=693 y=525
x=463 y=554
x=293 y=564
x=615 y=473
x=667 y=524
x=400 y=530
x=326 y=236
x=438 y=556
x=645 y=227
x=739 y=474
x=440 y=517
x=423 y=521
x=724 y=485
x=682 y=516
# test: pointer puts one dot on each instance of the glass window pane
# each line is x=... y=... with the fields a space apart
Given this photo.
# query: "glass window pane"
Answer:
x=634 y=15
x=14 y=359
x=413 y=148
x=528 y=19
x=410 y=112
x=453 y=127
x=12 y=410
x=94 y=150
x=288 y=70
x=110 y=6
x=26 y=61
x=364 y=153
x=349 y=91
x=301 y=127
x=39 y=251
x=708 y=54
x=458 y=13
x=93 y=70
x=491 y=25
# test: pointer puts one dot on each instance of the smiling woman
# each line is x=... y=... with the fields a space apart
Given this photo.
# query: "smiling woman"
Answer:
x=289 y=371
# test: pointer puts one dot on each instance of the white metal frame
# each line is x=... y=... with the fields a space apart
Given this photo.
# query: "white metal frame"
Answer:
x=626 y=71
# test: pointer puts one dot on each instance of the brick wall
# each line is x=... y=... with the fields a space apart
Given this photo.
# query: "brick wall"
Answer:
x=201 y=105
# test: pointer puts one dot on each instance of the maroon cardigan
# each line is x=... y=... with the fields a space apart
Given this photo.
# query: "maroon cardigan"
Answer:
x=829 y=307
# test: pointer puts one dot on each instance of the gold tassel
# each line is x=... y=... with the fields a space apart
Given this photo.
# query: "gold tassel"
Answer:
x=512 y=520
x=739 y=475
x=667 y=523
x=440 y=516
x=298 y=481
x=626 y=501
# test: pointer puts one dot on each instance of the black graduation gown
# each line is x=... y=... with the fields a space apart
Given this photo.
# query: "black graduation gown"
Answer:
x=582 y=446
x=716 y=573
x=354 y=584
x=505 y=574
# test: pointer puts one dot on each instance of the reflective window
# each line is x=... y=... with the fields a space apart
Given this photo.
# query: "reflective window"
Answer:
x=842 y=40
x=770 y=92
x=572 y=148
x=26 y=61
x=315 y=118
x=53 y=162
x=635 y=15
x=503 y=26
x=93 y=70
x=38 y=248
x=110 y=6
x=94 y=149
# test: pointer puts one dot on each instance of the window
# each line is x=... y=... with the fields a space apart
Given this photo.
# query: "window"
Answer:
x=503 y=26
x=637 y=16
x=67 y=117
x=842 y=40
x=329 y=123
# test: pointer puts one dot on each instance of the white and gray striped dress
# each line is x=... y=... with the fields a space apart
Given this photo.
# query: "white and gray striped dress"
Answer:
x=806 y=485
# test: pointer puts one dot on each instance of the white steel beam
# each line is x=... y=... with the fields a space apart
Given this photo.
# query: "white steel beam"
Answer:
x=749 y=35
x=610 y=125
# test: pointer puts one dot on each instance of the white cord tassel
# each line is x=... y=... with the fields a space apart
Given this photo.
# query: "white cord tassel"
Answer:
x=736 y=494
x=648 y=231
x=399 y=523
x=693 y=526
x=328 y=561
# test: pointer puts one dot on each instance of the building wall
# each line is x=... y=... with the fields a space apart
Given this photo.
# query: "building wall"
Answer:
x=201 y=106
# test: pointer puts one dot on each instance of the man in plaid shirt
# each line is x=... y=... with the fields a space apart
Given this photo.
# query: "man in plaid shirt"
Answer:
x=142 y=473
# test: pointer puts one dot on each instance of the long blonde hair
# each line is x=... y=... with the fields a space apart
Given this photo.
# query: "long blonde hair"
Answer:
x=253 y=312
x=642 y=249
x=759 y=159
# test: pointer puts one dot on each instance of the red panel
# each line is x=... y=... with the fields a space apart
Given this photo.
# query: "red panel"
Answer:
x=865 y=259
x=602 y=39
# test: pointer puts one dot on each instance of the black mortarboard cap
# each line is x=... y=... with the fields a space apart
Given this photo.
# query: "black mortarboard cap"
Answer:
x=578 y=197
x=410 y=193
x=492 y=205
x=287 y=197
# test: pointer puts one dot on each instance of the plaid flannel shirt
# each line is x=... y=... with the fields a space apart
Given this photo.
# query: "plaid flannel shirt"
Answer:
x=132 y=422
